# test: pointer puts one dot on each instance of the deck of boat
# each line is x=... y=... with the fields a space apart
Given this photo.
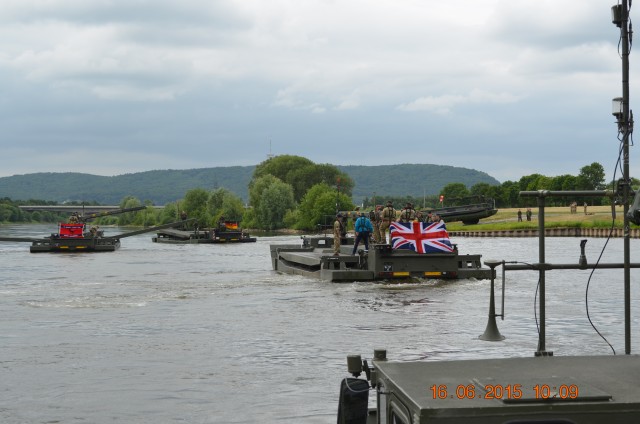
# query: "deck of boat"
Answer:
x=75 y=245
x=315 y=258
x=205 y=236
x=545 y=389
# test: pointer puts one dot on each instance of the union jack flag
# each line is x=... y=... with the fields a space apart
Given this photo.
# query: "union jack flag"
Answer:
x=420 y=237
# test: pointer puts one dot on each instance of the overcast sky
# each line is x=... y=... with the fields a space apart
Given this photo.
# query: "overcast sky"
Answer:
x=506 y=87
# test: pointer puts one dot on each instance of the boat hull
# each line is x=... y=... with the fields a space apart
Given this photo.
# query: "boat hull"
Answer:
x=545 y=389
x=84 y=244
x=314 y=258
x=175 y=236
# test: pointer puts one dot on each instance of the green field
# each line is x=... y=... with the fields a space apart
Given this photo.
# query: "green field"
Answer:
x=507 y=219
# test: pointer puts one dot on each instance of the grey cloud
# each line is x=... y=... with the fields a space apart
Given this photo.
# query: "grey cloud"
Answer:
x=168 y=84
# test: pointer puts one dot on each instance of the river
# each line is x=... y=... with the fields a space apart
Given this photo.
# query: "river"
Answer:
x=158 y=333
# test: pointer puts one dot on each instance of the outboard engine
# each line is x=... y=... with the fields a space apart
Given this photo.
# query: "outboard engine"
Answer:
x=362 y=259
x=353 y=405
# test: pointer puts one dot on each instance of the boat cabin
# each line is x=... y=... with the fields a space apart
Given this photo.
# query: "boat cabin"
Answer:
x=67 y=230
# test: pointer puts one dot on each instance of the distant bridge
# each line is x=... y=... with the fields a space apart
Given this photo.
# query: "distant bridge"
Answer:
x=86 y=209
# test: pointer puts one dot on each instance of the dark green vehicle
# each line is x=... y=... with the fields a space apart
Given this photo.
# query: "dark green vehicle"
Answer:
x=469 y=210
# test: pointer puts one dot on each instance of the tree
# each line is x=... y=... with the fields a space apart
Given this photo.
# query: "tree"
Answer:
x=195 y=205
x=481 y=189
x=168 y=214
x=275 y=200
x=591 y=177
x=224 y=203
x=454 y=191
x=541 y=183
x=280 y=166
x=128 y=218
x=510 y=195
x=529 y=182
x=8 y=213
x=302 y=174
x=319 y=206
x=257 y=187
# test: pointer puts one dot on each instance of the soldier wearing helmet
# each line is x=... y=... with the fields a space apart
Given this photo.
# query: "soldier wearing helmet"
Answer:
x=376 y=219
x=408 y=214
x=337 y=234
x=388 y=215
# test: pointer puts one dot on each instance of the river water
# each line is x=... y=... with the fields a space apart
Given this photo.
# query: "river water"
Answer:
x=158 y=333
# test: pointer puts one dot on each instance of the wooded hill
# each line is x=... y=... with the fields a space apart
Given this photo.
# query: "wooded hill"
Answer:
x=164 y=186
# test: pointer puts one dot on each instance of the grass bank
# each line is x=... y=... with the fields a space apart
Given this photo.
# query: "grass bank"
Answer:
x=554 y=217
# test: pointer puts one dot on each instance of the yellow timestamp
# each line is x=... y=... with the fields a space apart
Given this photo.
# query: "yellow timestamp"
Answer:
x=504 y=391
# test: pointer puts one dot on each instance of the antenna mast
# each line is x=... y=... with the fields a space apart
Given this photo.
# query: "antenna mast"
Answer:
x=620 y=17
x=270 y=155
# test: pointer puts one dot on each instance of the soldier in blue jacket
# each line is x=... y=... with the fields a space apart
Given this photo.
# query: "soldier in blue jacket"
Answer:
x=363 y=230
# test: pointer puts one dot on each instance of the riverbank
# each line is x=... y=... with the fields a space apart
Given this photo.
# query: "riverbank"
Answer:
x=549 y=232
x=597 y=221
x=507 y=219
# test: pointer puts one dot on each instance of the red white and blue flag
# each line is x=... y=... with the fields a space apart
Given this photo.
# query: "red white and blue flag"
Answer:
x=420 y=237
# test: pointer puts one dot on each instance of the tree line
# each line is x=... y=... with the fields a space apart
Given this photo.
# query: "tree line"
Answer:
x=293 y=192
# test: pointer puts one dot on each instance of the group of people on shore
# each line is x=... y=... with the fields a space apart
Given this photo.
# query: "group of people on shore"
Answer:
x=529 y=214
x=375 y=224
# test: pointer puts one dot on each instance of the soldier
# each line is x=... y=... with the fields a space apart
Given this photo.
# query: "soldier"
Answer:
x=343 y=229
x=388 y=216
x=375 y=218
x=183 y=216
x=221 y=225
x=337 y=234
x=429 y=218
x=354 y=215
x=408 y=214
x=73 y=219
x=574 y=207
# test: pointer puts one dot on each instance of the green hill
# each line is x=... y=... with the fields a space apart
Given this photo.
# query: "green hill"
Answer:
x=165 y=186
x=410 y=179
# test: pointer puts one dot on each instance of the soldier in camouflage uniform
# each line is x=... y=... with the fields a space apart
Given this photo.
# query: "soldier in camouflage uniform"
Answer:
x=74 y=219
x=354 y=216
x=337 y=234
x=376 y=220
x=429 y=218
x=388 y=215
x=408 y=214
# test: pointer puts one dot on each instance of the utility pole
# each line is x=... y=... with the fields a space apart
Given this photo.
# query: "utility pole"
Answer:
x=621 y=110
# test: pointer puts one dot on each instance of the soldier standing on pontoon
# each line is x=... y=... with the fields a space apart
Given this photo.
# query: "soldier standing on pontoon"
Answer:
x=337 y=234
x=408 y=214
x=376 y=219
x=388 y=216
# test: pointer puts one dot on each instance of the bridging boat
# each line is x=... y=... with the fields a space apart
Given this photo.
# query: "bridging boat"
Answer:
x=75 y=236
x=315 y=258
x=540 y=389
x=226 y=232
x=470 y=210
